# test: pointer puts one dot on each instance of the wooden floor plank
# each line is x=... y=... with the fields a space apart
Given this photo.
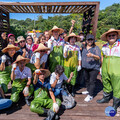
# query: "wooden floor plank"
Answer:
x=82 y=111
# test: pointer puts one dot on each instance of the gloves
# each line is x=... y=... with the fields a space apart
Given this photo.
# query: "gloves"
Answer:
x=82 y=37
x=79 y=68
x=66 y=48
x=37 y=54
x=3 y=59
x=52 y=38
x=26 y=91
x=66 y=51
x=14 y=66
x=55 y=107
x=37 y=71
x=101 y=71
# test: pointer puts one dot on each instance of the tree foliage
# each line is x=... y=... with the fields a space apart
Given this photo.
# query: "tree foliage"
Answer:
x=108 y=18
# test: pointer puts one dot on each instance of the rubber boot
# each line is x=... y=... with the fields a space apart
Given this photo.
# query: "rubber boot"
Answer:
x=27 y=101
x=73 y=91
x=51 y=115
x=105 y=99
x=116 y=103
x=45 y=112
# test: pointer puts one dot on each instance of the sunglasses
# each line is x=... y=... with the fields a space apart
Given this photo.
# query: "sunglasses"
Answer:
x=42 y=51
x=29 y=38
x=112 y=35
x=22 y=41
x=90 y=39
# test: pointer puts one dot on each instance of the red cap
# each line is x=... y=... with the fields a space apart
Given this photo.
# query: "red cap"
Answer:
x=10 y=35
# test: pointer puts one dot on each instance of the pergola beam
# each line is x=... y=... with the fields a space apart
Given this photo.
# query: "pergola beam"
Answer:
x=52 y=7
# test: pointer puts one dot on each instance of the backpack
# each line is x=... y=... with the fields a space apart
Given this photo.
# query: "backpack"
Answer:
x=68 y=101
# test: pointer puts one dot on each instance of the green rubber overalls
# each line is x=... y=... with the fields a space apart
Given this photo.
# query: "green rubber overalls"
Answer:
x=42 y=100
x=70 y=65
x=5 y=78
x=111 y=75
x=56 y=58
x=17 y=87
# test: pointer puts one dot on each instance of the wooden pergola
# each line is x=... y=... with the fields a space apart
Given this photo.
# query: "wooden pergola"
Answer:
x=90 y=12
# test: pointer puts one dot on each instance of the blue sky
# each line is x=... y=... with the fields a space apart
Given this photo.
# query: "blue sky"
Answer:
x=19 y=16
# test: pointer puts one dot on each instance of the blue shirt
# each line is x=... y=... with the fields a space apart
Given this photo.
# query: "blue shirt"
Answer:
x=44 y=85
x=90 y=62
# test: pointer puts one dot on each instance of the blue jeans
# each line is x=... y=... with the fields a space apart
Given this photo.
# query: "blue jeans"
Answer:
x=5 y=103
x=58 y=91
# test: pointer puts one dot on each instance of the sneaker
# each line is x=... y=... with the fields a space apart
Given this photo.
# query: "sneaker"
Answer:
x=88 y=98
x=85 y=92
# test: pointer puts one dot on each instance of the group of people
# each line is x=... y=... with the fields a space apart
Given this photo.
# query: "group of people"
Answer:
x=41 y=66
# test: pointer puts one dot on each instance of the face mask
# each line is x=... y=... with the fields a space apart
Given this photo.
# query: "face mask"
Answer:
x=82 y=37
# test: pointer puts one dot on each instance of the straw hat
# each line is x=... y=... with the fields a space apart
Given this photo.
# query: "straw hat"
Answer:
x=20 y=38
x=10 y=46
x=47 y=72
x=56 y=28
x=104 y=35
x=71 y=35
x=20 y=58
x=41 y=47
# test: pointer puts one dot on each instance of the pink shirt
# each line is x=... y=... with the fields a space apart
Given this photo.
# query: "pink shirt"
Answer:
x=35 y=46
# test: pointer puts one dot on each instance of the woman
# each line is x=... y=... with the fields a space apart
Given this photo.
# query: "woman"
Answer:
x=42 y=39
x=91 y=56
x=40 y=56
x=4 y=103
x=22 y=44
x=10 y=55
x=72 y=59
x=42 y=101
x=57 y=78
x=11 y=39
x=55 y=43
x=47 y=35
x=110 y=67
x=36 y=44
x=29 y=45
x=21 y=76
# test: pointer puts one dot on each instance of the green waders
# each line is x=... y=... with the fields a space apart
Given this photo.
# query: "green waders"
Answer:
x=17 y=87
x=56 y=58
x=31 y=66
x=41 y=101
x=70 y=65
x=111 y=75
x=5 y=78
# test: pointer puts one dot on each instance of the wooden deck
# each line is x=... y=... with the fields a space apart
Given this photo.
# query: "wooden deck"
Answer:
x=82 y=111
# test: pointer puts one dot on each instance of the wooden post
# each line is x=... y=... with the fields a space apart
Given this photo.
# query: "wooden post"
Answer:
x=95 y=20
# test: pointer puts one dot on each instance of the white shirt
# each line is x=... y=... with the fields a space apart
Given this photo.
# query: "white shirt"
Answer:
x=36 y=55
x=114 y=51
x=52 y=43
x=72 y=48
x=26 y=73
x=60 y=81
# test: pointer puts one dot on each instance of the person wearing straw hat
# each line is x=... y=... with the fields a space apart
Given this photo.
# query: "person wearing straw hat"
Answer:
x=55 y=43
x=44 y=98
x=9 y=56
x=40 y=56
x=21 y=76
x=110 y=67
x=72 y=59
